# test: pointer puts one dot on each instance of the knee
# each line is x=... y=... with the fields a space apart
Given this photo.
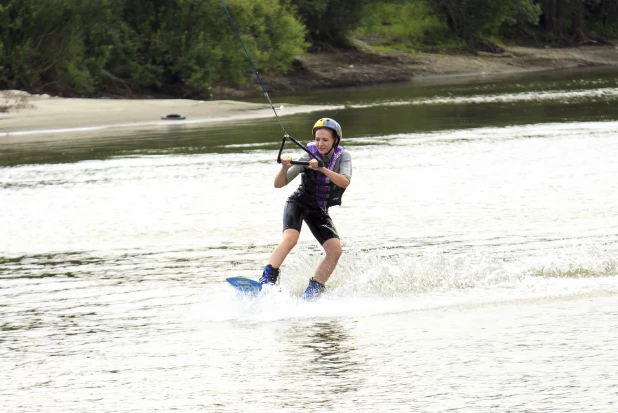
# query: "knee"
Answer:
x=334 y=249
x=289 y=241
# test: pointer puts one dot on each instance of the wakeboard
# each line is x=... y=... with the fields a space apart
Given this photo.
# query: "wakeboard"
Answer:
x=245 y=285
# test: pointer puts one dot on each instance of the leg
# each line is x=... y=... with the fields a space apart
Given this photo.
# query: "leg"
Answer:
x=290 y=238
x=292 y=222
x=332 y=248
x=324 y=231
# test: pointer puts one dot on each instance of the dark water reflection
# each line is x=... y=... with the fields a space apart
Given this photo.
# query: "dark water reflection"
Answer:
x=332 y=349
x=325 y=352
x=378 y=111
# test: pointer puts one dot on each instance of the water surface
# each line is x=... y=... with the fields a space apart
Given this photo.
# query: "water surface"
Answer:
x=479 y=273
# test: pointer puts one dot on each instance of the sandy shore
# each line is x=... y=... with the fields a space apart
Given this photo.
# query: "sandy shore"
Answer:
x=61 y=115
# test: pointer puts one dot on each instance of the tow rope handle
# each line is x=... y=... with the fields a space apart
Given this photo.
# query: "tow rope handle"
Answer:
x=286 y=136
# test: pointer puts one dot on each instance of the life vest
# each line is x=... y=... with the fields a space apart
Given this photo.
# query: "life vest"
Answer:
x=317 y=188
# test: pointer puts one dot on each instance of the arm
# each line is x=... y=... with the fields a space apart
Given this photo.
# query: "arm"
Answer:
x=343 y=176
x=281 y=177
x=340 y=180
x=287 y=173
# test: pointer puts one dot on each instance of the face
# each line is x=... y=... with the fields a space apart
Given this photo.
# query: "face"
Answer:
x=324 y=140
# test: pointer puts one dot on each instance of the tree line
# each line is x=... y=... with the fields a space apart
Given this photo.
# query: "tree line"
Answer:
x=183 y=47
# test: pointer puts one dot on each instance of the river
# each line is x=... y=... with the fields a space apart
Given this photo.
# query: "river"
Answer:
x=479 y=274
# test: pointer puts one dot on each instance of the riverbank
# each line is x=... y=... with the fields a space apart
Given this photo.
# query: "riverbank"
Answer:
x=54 y=115
x=38 y=114
x=367 y=67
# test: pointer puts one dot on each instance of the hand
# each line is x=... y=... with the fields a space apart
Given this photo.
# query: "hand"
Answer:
x=313 y=164
x=286 y=162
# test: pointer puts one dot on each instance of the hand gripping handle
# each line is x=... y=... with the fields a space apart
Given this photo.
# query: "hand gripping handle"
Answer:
x=286 y=136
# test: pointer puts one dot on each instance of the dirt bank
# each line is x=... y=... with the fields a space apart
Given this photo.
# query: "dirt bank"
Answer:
x=35 y=114
x=367 y=67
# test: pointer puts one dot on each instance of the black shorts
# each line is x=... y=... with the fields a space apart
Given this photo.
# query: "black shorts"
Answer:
x=318 y=220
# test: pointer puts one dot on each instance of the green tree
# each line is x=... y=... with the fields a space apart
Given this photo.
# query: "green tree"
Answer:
x=604 y=18
x=185 y=46
x=477 y=21
x=57 y=46
x=566 y=21
x=206 y=50
x=177 y=47
x=404 y=25
x=328 y=22
x=36 y=39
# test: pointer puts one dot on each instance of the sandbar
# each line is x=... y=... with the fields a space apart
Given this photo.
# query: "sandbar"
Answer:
x=54 y=115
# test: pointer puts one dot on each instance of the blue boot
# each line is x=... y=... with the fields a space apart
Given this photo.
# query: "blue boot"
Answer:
x=313 y=291
x=270 y=275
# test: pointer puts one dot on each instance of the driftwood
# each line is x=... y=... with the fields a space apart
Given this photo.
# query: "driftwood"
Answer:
x=487 y=54
x=14 y=100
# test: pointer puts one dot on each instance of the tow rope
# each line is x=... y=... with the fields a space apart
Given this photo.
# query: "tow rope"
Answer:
x=286 y=136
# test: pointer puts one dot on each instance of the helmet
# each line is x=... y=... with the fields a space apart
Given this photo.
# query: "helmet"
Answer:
x=331 y=124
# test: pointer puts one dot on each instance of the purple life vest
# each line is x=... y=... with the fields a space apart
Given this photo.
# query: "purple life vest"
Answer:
x=323 y=181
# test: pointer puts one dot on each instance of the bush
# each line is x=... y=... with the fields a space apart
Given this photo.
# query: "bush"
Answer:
x=474 y=21
x=404 y=25
x=73 y=47
x=328 y=22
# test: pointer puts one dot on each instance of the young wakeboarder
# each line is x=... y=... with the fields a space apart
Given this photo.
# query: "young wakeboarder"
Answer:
x=321 y=187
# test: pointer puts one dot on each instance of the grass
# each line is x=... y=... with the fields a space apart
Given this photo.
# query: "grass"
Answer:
x=410 y=26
